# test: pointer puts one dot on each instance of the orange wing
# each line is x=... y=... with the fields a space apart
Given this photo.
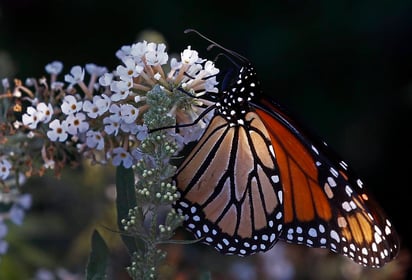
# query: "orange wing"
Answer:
x=230 y=190
x=325 y=204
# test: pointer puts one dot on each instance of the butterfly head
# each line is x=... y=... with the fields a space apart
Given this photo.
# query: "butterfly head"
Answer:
x=235 y=99
x=241 y=86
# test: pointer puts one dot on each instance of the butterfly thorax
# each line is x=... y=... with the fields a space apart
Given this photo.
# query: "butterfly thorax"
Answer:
x=234 y=102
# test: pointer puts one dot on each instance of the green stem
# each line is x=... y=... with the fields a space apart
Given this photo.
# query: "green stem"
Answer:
x=153 y=190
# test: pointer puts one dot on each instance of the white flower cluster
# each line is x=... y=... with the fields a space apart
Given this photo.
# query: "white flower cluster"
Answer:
x=103 y=120
x=97 y=114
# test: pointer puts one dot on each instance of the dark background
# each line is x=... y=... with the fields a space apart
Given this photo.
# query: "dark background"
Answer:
x=343 y=67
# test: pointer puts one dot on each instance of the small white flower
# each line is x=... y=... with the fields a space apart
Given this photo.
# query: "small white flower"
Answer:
x=70 y=105
x=138 y=50
x=98 y=107
x=24 y=201
x=121 y=156
x=94 y=140
x=76 y=75
x=112 y=125
x=115 y=111
x=106 y=79
x=90 y=109
x=128 y=113
x=45 y=111
x=57 y=132
x=5 y=167
x=57 y=86
x=5 y=83
x=175 y=64
x=16 y=214
x=130 y=70
x=96 y=70
x=31 y=118
x=54 y=67
x=156 y=54
x=123 y=52
x=29 y=82
x=189 y=56
x=120 y=89
x=76 y=123
x=194 y=69
x=210 y=68
x=102 y=102
x=210 y=85
x=142 y=133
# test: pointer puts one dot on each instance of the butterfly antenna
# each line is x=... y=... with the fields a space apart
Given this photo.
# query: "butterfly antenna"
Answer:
x=228 y=58
x=214 y=44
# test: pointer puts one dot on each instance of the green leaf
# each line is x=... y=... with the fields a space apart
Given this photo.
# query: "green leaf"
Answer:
x=125 y=200
x=97 y=265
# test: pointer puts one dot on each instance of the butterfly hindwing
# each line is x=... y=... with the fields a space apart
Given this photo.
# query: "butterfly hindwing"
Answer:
x=326 y=205
x=229 y=183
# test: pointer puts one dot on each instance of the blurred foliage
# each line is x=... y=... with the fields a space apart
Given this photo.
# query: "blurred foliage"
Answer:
x=343 y=67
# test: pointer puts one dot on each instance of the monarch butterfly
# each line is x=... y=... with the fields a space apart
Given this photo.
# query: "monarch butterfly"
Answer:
x=257 y=176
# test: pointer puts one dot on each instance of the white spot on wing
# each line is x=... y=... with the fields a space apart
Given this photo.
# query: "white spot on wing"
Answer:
x=334 y=172
x=321 y=228
x=334 y=235
x=280 y=195
x=346 y=206
x=331 y=182
x=348 y=190
x=343 y=164
x=388 y=230
x=184 y=204
x=312 y=232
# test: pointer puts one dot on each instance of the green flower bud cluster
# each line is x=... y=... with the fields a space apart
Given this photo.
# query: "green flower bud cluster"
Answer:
x=160 y=103
x=141 y=268
x=153 y=220
x=173 y=220
x=133 y=223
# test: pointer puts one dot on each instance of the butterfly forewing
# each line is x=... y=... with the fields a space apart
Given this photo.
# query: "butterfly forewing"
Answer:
x=325 y=203
x=229 y=183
